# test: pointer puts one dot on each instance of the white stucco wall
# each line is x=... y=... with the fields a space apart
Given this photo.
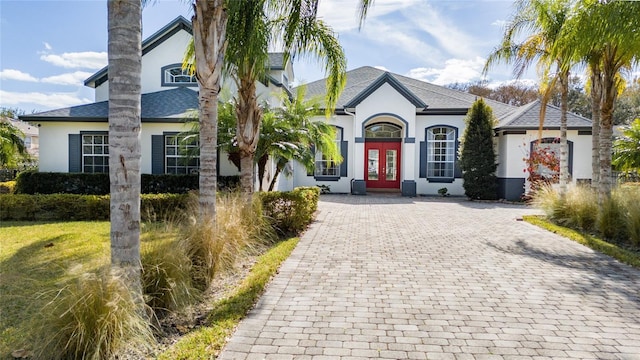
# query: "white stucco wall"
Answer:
x=54 y=142
x=343 y=185
x=169 y=52
x=514 y=148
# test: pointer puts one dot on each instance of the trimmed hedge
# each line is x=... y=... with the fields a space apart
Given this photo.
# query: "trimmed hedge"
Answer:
x=33 y=182
x=7 y=187
x=82 y=207
x=290 y=212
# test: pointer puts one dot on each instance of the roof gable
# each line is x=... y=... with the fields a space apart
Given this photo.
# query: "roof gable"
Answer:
x=153 y=41
x=386 y=78
x=437 y=99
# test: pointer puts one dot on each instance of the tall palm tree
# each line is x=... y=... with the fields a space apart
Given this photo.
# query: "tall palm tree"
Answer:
x=610 y=31
x=12 y=147
x=542 y=22
x=125 y=66
x=253 y=26
x=210 y=40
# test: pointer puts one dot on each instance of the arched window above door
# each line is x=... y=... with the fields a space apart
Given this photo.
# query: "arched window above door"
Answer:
x=383 y=131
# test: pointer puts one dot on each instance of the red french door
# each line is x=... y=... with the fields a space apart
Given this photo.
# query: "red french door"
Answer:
x=382 y=165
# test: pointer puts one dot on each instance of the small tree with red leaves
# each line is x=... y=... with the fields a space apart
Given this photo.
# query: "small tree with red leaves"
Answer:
x=542 y=164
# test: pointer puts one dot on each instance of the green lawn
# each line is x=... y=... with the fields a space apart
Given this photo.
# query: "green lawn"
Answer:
x=34 y=259
x=621 y=254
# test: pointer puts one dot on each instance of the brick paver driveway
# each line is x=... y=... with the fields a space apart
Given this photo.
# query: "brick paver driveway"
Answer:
x=398 y=278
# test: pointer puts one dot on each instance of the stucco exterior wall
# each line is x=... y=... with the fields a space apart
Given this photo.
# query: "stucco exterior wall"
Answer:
x=169 y=52
x=54 y=142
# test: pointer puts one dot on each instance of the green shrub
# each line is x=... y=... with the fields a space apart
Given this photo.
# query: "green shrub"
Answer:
x=291 y=212
x=34 y=182
x=65 y=207
x=166 y=274
x=91 y=318
x=7 y=187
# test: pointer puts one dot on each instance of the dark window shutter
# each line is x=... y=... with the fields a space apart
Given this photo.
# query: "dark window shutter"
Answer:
x=75 y=153
x=570 y=146
x=313 y=152
x=157 y=154
x=344 y=151
x=457 y=171
x=423 y=159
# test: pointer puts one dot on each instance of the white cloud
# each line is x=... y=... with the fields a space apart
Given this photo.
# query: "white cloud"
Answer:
x=454 y=70
x=11 y=74
x=499 y=23
x=402 y=39
x=524 y=82
x=47 y=46
x=445 y=32
x=87 y=59
x=51 y=100
x=342 y=15
x=74 y=78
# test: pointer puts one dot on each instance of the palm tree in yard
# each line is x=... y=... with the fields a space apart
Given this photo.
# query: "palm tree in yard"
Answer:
x=253 y=26
x=210 y=41
x=12 y=147
x=609 y=32
x=125 y=60
x=541 y=21
x=290 y=133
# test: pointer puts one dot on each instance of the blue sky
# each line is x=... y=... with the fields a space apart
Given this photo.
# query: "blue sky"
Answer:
x=48 y=48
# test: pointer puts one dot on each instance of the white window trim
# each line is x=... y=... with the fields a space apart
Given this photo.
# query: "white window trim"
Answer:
x=180 y=147
x=103 y=155
x=325 y=167
x=449 y=153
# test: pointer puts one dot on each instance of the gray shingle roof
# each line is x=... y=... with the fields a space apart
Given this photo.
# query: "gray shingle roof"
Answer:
x=157 y=106
x=276 y=61
x=528 y=116
x=434 y=96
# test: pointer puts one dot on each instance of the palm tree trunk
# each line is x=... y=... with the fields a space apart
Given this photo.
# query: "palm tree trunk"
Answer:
x=564 y=153
x=262 y=167
x=125 y=66
x=596 y=98
x=249 y=116
x=609 y=92
x=275 y=177
x=209 y=37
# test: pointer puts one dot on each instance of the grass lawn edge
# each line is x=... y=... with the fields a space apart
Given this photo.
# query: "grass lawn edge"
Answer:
x=206 y=342
x=595 y=243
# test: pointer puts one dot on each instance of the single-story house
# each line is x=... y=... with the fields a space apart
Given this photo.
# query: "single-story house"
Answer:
x=396 y=133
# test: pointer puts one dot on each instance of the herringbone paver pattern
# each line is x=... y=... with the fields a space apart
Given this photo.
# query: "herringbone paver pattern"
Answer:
x=397 y=278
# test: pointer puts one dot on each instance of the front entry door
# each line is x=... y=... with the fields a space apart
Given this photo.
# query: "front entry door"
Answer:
x=382 y=164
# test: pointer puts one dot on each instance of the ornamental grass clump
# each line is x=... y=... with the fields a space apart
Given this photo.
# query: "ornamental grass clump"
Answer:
x=630 y=197
x=93 y=317
x=581 y=207
x=166 y=275
x=550 y=202
x=215 y=247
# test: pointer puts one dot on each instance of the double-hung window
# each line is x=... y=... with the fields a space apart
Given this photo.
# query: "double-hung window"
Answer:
x=181 y=154
x=326 y=166
x=441 y=152
x=95 y=153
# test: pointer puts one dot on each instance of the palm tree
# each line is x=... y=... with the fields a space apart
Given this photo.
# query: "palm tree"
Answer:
x=608 y=30
x=543 y=21
x=289 y=133
x=626 y=149
x=253 y=26
x=12 y=147
x=125 y=65
x=210 y=40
